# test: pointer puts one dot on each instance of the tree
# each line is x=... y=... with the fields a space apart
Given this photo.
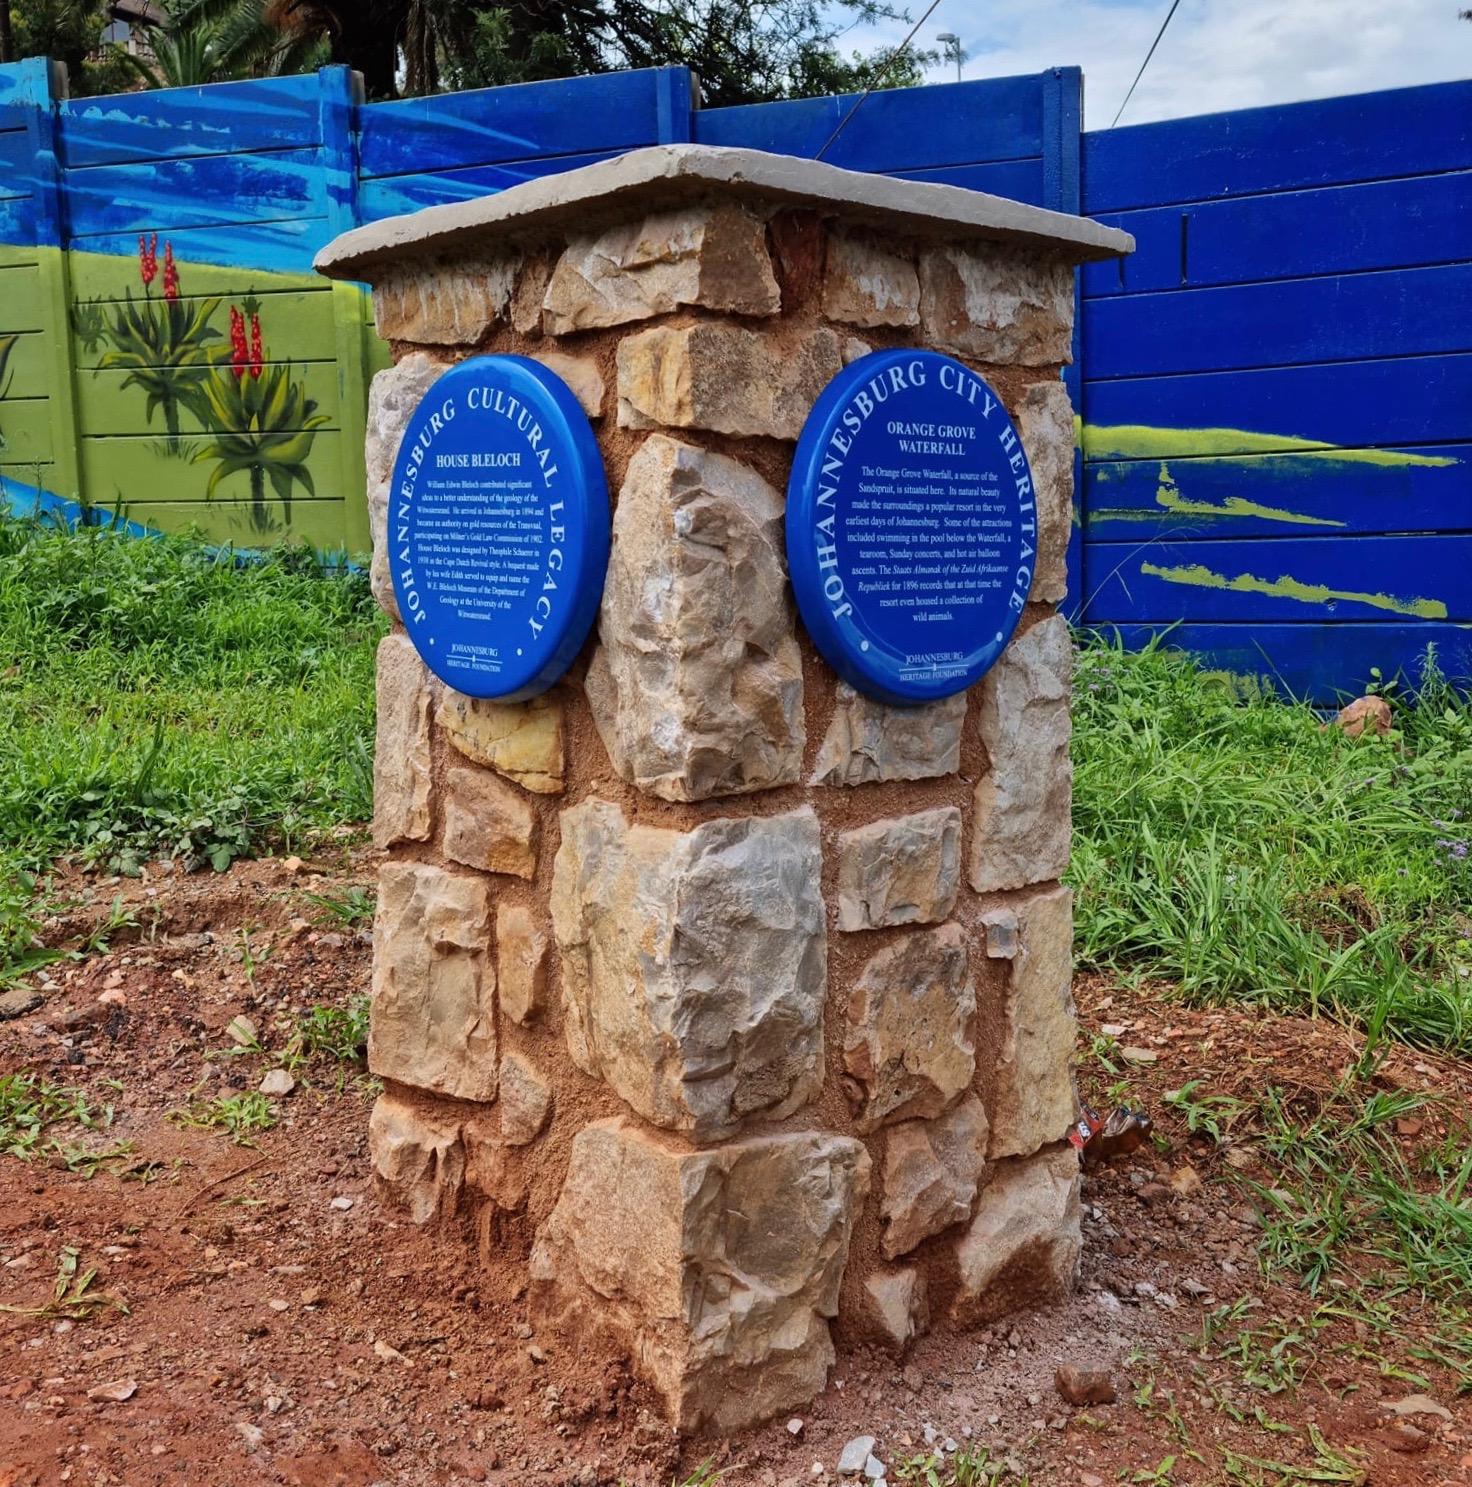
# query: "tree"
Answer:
x=68 y=31
x=742 y=52
x=211 y=41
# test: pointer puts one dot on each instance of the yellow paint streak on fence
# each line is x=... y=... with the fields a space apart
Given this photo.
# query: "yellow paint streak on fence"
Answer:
x=1146 y=441
x=1196 y=575
x=1168 y=495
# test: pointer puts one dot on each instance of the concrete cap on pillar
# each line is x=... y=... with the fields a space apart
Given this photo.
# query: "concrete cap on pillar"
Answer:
x=665 y=175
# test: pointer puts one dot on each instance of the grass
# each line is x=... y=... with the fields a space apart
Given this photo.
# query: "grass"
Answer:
x=1226 y=843
x=238 y=1116
x=160 y=698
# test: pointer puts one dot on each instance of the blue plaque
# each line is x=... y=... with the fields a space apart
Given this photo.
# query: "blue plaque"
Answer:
x=498 y=527
x=911 y=527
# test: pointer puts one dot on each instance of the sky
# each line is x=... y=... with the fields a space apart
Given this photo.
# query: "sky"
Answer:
x=1216 y=54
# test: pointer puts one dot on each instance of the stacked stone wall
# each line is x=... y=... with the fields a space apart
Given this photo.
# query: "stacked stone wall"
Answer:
x=732 y=1006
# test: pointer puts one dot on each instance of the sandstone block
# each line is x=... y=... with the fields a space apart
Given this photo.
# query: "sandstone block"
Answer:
x=401 y=774
x=694 y=963
x=581 y=375
x=418 y=1159
x=530 y=291
x=1034 y=1101
x=723 y=377
x=697 y=687
x=909 y=1047
x=433 y=1023
x=1022 y=1248
x=1022 y=824
x=1045 y=425
x=906 y=870
x=525 y=1101
x=716 y=1271
x=521 y=740
x=868 y=740
x=488 y=825
x=714 y=256
x=894 y=1306
x=521 y=963
x=932 y=1169
x=997 y=304
x=443 y=304
x=866 y=284
x=392 y=397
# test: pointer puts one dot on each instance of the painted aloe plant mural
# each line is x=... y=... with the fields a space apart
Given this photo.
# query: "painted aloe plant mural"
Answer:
x=261 y=421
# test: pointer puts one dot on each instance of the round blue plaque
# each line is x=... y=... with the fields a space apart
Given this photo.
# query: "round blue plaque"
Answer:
x=911 y=527
x=498 y=527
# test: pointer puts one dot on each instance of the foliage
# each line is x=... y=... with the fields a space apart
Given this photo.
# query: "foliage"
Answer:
x=67 y=31
x=161 y=697
x=30 y=1106
x=238 y=1116
x=1229 y=844
x=339 y=1034
x=212 y=41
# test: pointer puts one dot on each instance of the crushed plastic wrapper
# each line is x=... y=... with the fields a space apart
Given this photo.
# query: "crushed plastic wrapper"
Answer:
x=1100 y=1138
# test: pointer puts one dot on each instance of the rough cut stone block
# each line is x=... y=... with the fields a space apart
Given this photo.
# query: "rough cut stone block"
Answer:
x=909 y=1047
x=714 y=256
x=488 y=825
x=716 y=1271
x=1045 y=425
x=581 y=375
x=997 y=304
x=905 y=870
x=697 y=687
x=894 y=1306
x=1034 y=1101
x=521 y=740
x=868 y=740
x=527 y=297
x=433 y=1022
x=723 y=377
x=401 y=773
x=932 y=1169
x=443 y=304
x=866 y=284
x=693 y=963
x=521 y=963
x=1022 y=1248
x=525 y=1101
x=418 y=1159
x=392 y=397
x=1022 y=825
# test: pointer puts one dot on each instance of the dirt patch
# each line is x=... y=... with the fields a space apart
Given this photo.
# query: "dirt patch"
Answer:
x=281 y=1328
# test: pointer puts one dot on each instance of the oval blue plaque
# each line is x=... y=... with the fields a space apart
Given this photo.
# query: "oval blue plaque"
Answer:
x=911 y=526
x=498 y=527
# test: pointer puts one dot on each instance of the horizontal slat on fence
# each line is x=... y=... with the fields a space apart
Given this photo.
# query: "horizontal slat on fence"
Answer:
x=171 y=195
x=1377 y=225
x=1358 y=138
x=108 y=407
x=1285 y=578
x=614 y=111
x=25 y=427
x=896 y=130
x=392 y=196
x=131 y=466
x=223 y=118
x=1339 y=492
x=15 y=158
x=1414 y=401
x=27 y=367
x=1021 y=180
x=286 y=246
x=1320 y=663
x=318 y=522
x=1353 y=317
x=17 y=219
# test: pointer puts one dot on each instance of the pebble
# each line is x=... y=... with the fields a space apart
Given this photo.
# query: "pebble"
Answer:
x=855 y=1455
x=252 y=1435
x=277 y=1082
x=1080 y=1385
x=240 y=1029
x=794 y=1428
x=874 y=1469
x=342 y=1204
x=113 y=1393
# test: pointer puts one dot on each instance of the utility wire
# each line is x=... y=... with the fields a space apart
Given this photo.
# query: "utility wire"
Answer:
x=879 y=77
x=1146 y=62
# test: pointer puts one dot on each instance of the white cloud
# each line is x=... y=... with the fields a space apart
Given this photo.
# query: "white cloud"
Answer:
x=1215 y=54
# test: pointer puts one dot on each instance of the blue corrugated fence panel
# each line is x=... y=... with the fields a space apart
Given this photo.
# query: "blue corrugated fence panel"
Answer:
x=1323 y=664
x=901 y=129
x=1282 y=578
x=173 y=123
x=1021 y=180
x=392 y=196
x=615 y=111
x=1342 y=229
x=286 y=247
x=1363 y=137
x=1332 y=492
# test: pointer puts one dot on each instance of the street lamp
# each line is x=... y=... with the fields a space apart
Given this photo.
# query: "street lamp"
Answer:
x=952 y=44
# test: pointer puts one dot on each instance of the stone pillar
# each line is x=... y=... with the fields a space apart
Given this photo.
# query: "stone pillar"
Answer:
x=734 y=1005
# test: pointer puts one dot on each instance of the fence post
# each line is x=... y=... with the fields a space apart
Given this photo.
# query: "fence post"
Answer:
x=1062 y=150
x=676 y=99
x=342 y=93
x=47 y=88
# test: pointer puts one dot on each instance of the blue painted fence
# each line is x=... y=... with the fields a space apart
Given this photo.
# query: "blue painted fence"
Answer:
x=1274 y=390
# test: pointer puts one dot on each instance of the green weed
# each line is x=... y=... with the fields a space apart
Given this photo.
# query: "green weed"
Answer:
x=30 y=1106
x=72 y=1296
x=336 y=1033
x=238 y=1116
x=351 y=908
